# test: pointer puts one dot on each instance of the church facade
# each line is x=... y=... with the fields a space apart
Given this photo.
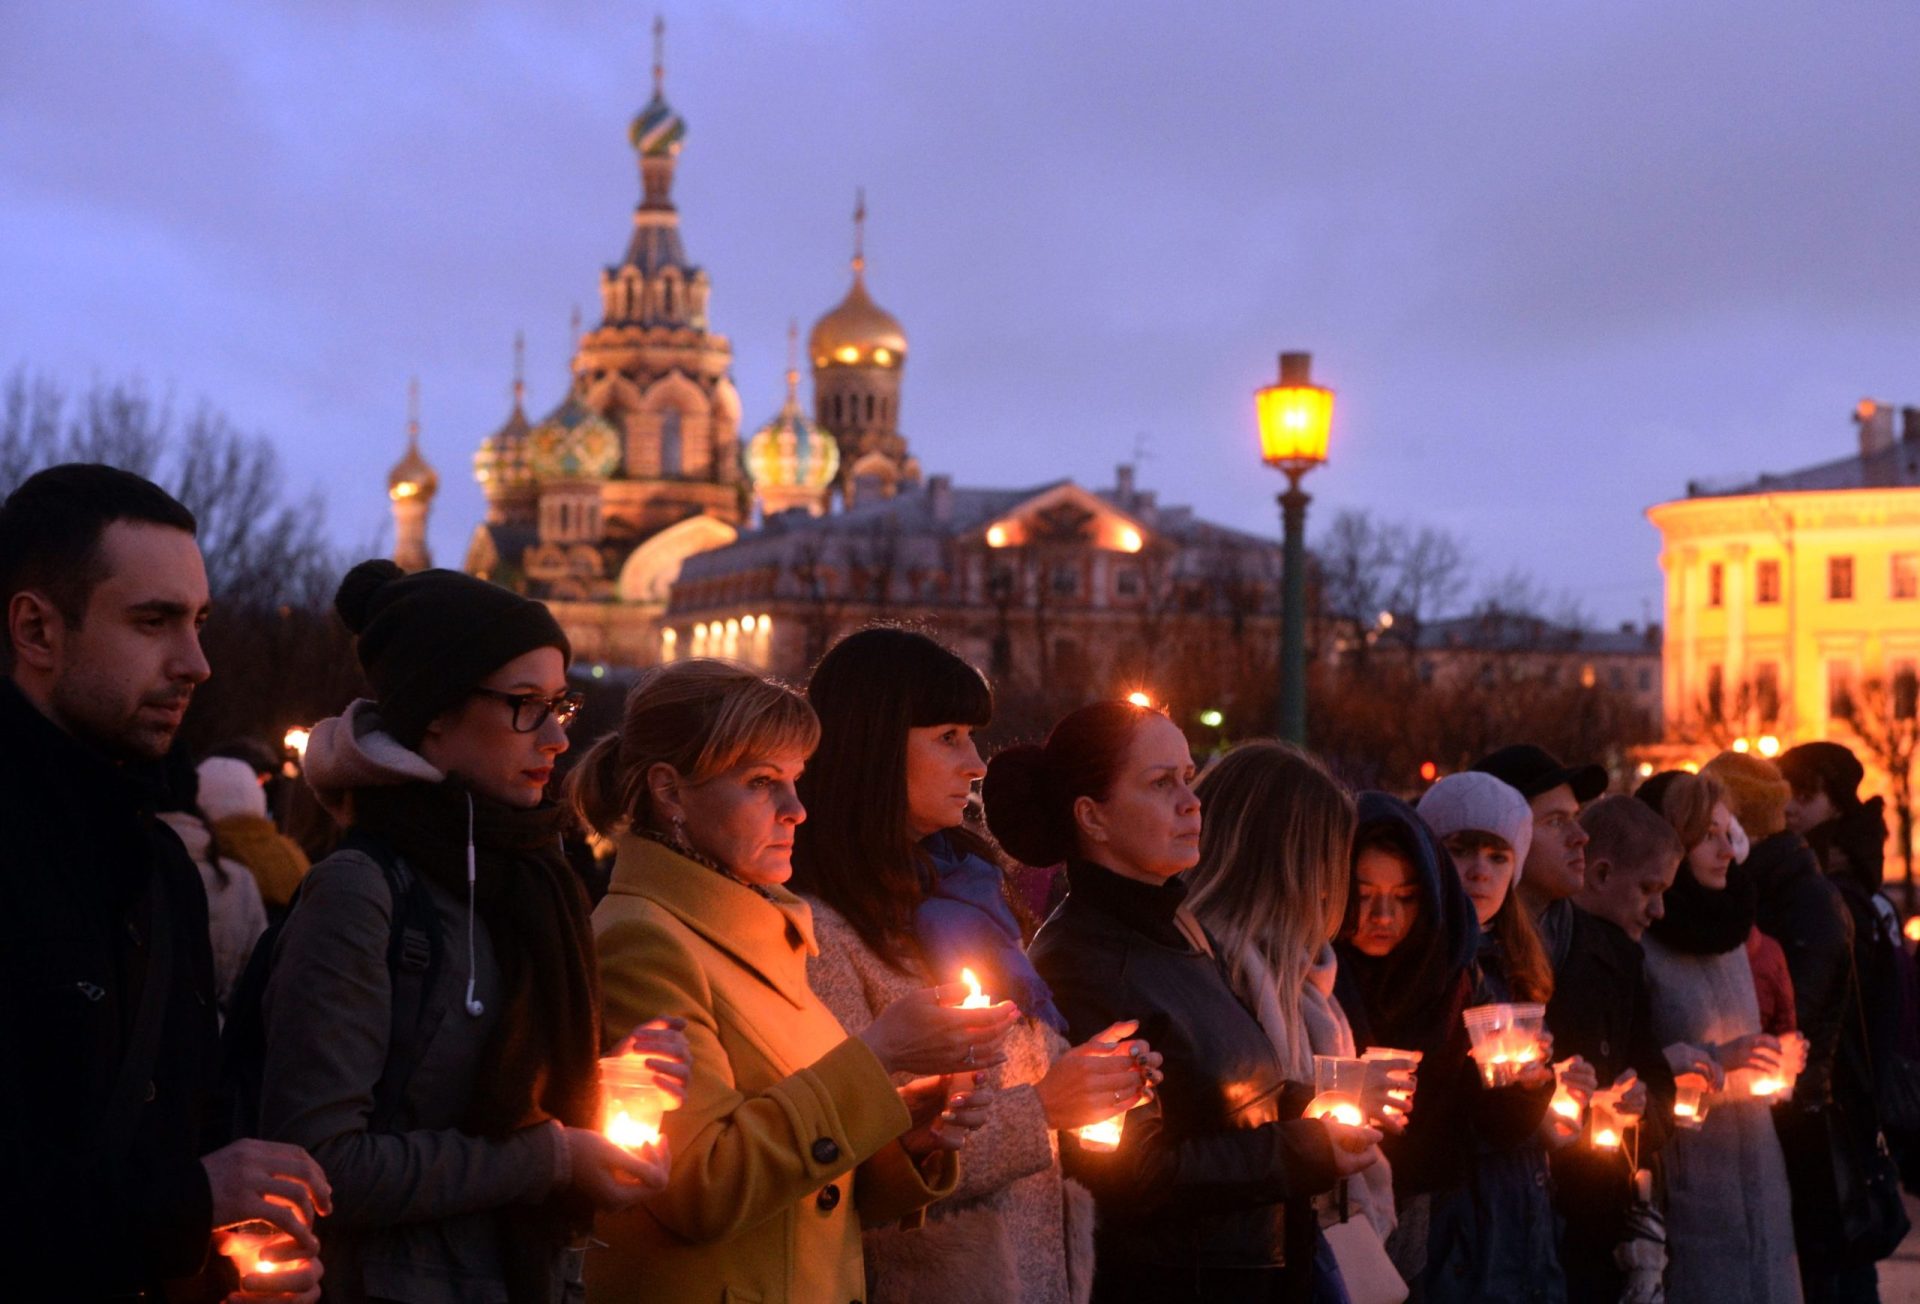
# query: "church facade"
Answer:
x=638 y=511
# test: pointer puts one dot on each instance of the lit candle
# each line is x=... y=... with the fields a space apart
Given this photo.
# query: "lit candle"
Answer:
x=245 y=1243
x=1104 y=1136
x=633 y=1101
x=976 y=999
x=1338 y=1106
x=1768 y=1086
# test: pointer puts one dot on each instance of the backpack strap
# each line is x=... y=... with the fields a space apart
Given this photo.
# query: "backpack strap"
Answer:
x=414 y=957
x=133 y=1084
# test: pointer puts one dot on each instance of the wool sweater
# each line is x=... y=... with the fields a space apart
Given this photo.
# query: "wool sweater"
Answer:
x=1014 y=1228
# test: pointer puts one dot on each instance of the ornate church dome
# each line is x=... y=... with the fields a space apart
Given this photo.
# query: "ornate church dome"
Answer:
x=657 y=130
x=500 y=464
x=790 y=452
x=573 y=443
x=412 y=477
x=858 y=331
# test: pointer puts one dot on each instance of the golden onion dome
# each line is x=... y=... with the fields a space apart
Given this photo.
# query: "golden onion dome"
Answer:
x=411 y=476
x=858 y=332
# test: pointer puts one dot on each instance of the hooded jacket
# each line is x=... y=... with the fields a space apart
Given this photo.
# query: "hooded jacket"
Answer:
x=415 y=1211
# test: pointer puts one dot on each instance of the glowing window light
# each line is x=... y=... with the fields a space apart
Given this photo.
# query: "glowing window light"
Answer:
x=847 y=353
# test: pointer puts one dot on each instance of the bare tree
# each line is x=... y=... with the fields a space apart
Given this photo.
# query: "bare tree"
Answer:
x=1883 y=718
x=279 y=656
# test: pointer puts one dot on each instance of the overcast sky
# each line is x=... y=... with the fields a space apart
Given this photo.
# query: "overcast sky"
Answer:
x=1556 y=259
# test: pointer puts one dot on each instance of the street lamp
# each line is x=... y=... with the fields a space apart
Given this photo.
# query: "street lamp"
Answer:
x=1295 y=416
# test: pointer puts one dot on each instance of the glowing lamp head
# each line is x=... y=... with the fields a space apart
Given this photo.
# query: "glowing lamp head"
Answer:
x=1742 y=746
x=996 y=536
x=1130 y=540
x=1295 y=417
x=1212 y=719
x=1769 y=746
x=295 y=740
x=1140 y=700
x=1912 y=929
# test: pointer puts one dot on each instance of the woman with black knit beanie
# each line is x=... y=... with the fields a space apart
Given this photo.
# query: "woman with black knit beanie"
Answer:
x=445 y=1076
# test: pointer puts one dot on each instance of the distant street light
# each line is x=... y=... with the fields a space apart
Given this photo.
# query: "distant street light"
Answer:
x=1212 y=719
x=1295 y=417
x=1140 y=699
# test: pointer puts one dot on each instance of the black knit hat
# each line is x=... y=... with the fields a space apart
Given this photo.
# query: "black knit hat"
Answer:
x=426 y=640
x=1533 y=770
x=1825 y=767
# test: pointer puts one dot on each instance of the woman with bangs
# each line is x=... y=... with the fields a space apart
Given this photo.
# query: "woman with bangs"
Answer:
x=792 y=1136
x=1271 y=887
x=1729 y=1215
x=1194 y=1200
x=906 y=892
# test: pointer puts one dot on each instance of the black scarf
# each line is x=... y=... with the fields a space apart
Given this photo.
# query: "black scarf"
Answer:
x=542 y=1056
x=1701 y=921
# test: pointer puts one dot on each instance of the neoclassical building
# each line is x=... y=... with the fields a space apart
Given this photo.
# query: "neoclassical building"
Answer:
x=1789 y=594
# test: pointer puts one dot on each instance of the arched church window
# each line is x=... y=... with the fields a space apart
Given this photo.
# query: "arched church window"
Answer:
x=670 y=460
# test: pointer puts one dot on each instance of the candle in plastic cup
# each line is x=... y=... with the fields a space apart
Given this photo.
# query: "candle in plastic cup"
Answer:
x=1564 y=1102
x=1401 y=1097
x=1608 y=1126
x=1338 y=1106
x=1766 y=1086
x=1793 y=1060
x=1689 y=1105
x=245 y=1243
x=1506 y=1039
x=976 y=999
x=633 y=1101
x=1104 y=1136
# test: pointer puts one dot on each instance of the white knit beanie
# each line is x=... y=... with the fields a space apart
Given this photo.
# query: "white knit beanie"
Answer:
x=230 y=787
x=1478 y=802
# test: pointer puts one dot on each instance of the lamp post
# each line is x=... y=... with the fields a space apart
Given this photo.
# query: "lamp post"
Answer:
x=1295 y=416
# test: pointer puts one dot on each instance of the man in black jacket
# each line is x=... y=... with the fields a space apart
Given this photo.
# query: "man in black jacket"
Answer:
x=108 y=1038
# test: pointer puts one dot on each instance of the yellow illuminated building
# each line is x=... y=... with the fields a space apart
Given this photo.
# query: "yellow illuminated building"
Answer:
x=1792 y=596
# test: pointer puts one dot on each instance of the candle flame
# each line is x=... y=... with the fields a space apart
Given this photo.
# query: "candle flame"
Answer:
x=1685 y=1109
x=1607 y=1139
x=1566 y=1107
x=1104 y=1135
x=975 y=999
x=1767 y=1086
x=628 y=1132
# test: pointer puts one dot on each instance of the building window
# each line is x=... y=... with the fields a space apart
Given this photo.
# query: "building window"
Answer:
x=1840 y=688
x=1126 y=582
x=1716 y=692
x=1766 y=690
x=1840 y=579
x=1617 y=679
x=1646 y=680
x=1716 y=584
x=1066 y=581
x=1426 y=671
x=670 y=460
x=1766 y=582
x=1906 y=689
x=1906 y=575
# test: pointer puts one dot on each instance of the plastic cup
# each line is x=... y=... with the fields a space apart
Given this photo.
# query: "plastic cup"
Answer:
x=1102 y=1137
x=245 y=1244
x=632 y=1101
x=1506 y=1039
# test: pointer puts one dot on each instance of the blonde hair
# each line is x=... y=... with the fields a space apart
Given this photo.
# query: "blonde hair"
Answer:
x=1271 y=885
x=702 y=717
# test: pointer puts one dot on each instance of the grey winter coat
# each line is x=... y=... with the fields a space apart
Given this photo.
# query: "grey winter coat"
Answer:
x=1729 y=1216
x=415 y=1211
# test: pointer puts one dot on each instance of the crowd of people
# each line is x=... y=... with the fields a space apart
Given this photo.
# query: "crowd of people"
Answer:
x=1084 y=1022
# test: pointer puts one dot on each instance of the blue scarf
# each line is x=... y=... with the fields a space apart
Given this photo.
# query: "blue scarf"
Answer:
x=965 y=922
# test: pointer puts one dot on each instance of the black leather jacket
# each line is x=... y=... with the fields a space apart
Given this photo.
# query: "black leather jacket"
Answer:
x=1193 y=1205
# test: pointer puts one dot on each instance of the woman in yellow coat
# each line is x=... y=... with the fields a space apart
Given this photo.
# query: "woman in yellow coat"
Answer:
x=792 y=1137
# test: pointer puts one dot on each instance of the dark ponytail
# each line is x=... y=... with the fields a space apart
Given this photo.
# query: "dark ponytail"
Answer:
x=1029 y=791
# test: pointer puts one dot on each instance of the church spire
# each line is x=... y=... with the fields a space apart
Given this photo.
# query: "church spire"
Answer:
x=519 y=369
x=659 y=57
x=793 y=363
x=859 y=231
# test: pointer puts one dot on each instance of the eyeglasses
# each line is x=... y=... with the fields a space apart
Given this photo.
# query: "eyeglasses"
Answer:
x=530 y=710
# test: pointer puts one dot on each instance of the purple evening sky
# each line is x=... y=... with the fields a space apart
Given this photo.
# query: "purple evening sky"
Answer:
x=1556 y=258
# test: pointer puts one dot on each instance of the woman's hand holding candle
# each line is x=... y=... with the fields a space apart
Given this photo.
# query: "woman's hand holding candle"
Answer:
x=1355 y=1149
x=611 y=1175
x=272 y=1182
x=662 y=1044
x=1630 y=1095
x=1758 y=1051
x=930 y=1031
x=1388 y=1094
x=271 y=1266
x=1097 y=1079
x=1685 y=1059
x=965 y=1112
